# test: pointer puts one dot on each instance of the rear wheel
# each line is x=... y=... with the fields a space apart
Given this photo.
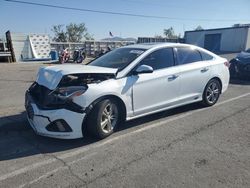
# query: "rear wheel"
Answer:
x=211 y=93
x=104 y=118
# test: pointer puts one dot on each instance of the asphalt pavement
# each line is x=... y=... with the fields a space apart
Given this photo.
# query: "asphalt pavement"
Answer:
x=190 y=146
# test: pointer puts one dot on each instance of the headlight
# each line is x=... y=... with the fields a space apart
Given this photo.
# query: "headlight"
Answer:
x=70 y=92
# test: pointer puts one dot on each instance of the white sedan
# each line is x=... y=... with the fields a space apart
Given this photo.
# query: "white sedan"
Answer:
x=124 y=84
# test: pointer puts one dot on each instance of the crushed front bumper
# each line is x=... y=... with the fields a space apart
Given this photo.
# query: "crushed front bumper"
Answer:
x=40 y=120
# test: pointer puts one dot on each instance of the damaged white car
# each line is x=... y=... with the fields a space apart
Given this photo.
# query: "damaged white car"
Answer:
x=126 y=83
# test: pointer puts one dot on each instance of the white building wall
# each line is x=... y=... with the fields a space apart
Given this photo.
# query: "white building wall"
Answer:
x=196 y=38
x=21 y=45
x=232 y=40
x=248 y=39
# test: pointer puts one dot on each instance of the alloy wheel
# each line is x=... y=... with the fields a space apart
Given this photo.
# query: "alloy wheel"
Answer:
x=109 y=117
x=212 y=93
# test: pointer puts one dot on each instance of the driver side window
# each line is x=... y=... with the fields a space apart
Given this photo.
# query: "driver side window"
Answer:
x=159 y=59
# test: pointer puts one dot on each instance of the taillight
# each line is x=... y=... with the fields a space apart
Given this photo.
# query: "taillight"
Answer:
x=227 y=64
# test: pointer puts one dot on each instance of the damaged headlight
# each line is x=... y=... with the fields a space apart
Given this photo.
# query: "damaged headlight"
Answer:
x=59 y=98
x=71 y=92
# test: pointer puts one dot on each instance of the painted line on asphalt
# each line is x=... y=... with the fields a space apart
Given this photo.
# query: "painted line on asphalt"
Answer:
x=26 y=169
x=100 y=144
x=56 y=170
x=43 y=176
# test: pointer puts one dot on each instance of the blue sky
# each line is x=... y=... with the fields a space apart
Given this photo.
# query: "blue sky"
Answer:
x=35 y=19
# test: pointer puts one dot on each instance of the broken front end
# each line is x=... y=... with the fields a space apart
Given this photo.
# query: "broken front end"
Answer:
x=59 y=111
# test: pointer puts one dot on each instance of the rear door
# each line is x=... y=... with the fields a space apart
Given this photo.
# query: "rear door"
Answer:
x=194 y=73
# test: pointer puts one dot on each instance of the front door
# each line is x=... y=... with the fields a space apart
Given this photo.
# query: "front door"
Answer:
x=157 y=90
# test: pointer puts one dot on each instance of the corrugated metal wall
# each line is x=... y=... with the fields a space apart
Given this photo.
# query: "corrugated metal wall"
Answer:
x=248 y=40
x=21 y=46
x=232 y=39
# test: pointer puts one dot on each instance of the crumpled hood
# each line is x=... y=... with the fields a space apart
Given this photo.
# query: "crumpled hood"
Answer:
x=50 y=76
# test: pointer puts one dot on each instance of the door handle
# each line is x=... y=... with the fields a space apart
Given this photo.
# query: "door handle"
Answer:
x=204 y=69
x=173 y=77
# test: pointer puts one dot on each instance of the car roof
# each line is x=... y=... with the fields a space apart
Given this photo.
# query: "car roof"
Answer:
x=147 y=46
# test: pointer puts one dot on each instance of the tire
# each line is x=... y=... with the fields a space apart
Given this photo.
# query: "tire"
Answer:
x=103 y=119
x=211 y=92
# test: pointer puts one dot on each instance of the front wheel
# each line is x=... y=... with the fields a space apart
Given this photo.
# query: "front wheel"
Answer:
x=103 y=119
x=211 y=92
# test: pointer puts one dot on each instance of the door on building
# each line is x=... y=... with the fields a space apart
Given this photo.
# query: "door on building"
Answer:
x=212 y=42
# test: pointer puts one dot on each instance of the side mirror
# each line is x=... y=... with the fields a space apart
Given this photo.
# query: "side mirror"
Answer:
x=143 y=69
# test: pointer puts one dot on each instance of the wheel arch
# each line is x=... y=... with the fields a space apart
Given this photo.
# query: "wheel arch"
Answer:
x=121 y=106
x=219 y=80
x=216 y=78
x=205 y=101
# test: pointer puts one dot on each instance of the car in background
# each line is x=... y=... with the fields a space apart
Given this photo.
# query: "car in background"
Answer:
x=240 y=65
x=133 y=81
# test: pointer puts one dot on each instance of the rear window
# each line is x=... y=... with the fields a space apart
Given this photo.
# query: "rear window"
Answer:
x=205 y=56
x=187 y=55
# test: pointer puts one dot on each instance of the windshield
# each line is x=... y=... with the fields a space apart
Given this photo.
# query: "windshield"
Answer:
x=118 y=58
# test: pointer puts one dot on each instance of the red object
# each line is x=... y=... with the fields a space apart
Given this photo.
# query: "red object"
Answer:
x=64 y=58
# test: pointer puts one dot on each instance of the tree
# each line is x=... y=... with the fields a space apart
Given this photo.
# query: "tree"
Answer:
x=199 y=28
x=158 y=36
x=169 y=33
x=60 y=35
x=74 y=33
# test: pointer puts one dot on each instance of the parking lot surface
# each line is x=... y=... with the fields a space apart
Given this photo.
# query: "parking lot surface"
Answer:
x=190 y=146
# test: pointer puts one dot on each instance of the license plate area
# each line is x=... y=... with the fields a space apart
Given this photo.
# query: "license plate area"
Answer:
x=29 y=108
x=30 y=111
